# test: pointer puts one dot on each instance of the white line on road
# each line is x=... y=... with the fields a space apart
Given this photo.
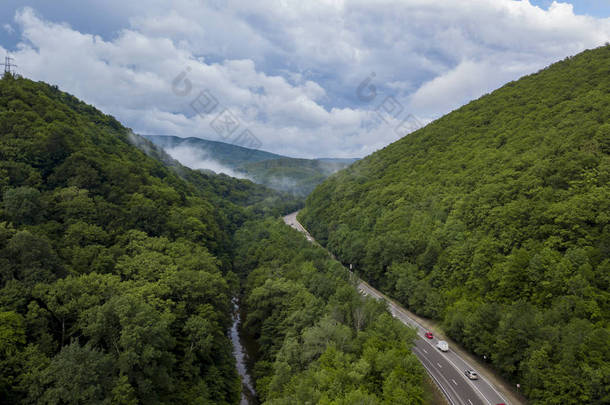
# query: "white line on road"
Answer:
x=443 y=387
x=453 y=381
x=366 y=290
x=471 y=383
x=483 y=378
x=425 y=351
x=439 y=365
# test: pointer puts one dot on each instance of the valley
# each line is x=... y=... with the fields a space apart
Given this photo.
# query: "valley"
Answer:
x=290 y=175
x=350 y=255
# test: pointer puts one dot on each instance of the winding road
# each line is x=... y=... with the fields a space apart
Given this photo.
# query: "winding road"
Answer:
x=445 y=368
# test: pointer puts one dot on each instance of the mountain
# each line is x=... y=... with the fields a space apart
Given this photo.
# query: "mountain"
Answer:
x=494 y=220
x=292 y=175
x=119 y=268
x=116 y=273
x=296 y=176
x=232 y=156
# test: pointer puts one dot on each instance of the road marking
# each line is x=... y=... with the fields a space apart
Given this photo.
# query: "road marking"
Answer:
x=482 y=378
x=472 y=384
x=470 y=402
x=425 y=351
x=439 y=365
x=443 y=387
x=446 y=355
x=454 y=381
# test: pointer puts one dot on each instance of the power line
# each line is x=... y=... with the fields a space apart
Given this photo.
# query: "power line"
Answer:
x=8 y=65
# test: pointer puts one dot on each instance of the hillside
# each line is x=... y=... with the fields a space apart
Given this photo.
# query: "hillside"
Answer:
x=295 y=176
x=494 y=219
x=118 y=269
x=318 y=340
x=226 y=154
x=115 y=269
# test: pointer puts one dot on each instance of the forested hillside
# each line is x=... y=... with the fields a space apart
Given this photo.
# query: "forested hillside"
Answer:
x=226 y=154
x=295 y=176
x=115 y=270
x=319 y=340
x=494 y=219
x=285 y=174
x=118 y=265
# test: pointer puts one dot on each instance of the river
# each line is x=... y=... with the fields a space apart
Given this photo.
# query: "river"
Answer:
x=248 y=395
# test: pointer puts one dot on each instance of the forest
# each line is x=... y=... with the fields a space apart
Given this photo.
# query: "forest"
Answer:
x=116 y=266
x=297 y=177
x=495 y=221
x=319 y=340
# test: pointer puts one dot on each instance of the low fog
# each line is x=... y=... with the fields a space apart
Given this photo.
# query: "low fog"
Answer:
x=196 y=159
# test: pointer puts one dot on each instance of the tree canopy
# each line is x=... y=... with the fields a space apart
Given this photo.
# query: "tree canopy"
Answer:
x=319 y=340
x=118 y=267
x=116 y=273
x=495 y=220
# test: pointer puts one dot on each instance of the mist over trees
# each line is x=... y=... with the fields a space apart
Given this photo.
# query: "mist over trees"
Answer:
x=297 y=177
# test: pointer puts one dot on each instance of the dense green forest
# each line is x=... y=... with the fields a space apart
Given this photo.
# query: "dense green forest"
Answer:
x=295 y=176
x=290 y=175
x=319 y=340
x=118 y=266
x=495 y=219
x=115 y=269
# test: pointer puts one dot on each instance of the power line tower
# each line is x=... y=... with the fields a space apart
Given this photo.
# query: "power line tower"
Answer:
x=8 y=65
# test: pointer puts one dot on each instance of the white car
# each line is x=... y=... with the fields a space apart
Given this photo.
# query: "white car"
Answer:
x=442 y=346
x=471 y=374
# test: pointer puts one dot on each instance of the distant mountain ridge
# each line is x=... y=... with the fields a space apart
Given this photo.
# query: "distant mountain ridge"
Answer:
x=282 y=173
x=225 y=153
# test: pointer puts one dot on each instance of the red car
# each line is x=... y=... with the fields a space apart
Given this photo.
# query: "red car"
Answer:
x=429 y=335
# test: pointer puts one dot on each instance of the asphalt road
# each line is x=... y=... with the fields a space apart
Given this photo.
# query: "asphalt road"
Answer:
x=445 y=368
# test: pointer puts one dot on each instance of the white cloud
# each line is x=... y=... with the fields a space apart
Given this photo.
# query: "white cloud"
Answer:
x=461 y=84
x=289 y=70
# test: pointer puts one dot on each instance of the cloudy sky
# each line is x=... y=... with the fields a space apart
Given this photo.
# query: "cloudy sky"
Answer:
x=303 y=78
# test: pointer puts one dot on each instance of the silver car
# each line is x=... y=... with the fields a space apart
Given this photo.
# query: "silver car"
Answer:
x=471 y=374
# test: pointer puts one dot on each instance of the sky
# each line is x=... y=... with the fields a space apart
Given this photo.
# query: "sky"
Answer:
x=332 y=78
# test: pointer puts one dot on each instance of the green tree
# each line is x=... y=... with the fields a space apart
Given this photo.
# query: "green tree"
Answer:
x=22 y=205
x=77 y=375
